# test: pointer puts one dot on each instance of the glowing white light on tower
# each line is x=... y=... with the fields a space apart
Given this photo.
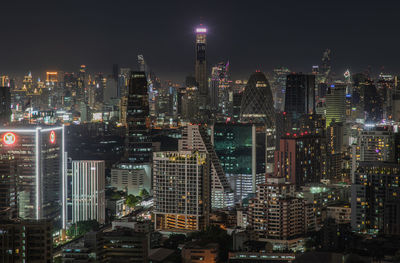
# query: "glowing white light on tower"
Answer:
x=201 y=30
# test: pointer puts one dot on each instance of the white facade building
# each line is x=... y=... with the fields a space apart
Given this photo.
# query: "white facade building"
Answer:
x=131 y=178
x=88 y=191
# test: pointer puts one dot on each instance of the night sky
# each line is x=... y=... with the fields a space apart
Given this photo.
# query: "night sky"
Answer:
x=61 y=35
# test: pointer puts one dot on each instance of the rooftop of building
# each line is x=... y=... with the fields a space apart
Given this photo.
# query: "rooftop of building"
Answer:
x=160 y=254
x=200 y=245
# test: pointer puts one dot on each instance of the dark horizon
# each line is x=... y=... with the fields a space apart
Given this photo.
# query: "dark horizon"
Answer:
x=261 y=35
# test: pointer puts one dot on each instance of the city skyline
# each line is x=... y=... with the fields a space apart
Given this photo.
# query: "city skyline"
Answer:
x=261 y=35
x=174 y=131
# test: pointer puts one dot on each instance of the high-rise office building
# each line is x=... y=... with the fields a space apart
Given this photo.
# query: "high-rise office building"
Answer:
x=37 y=155
x=372 y=103
x=336 y=104
x=242 y=153
x=138 y=141
x=235 y=107
x=115 y=72
x=300 y=95
x=181 y=190
x=51 y=76
x=385 y=86
x=366 y=101
x=88 y=191
x=196 y=138
x=5 y=105
x=141 y=63
x=375 y=197
x=5 y=81
x=99 y=86
x=279 y=87
x=325 y=68
x=257 y=101
x=201 y=65
x=396 y=100
x=123 y=80
x=300 y=158
x=81 y=88
x=220 y=88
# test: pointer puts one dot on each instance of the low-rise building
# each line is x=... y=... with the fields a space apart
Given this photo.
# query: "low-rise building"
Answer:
x=341 y=213
x=126 y=245
x=261 y=257
x=26 y=241
x=194 y=252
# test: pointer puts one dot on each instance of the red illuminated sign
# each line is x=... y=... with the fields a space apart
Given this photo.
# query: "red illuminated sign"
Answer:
x=9 y=138
x=52 y=137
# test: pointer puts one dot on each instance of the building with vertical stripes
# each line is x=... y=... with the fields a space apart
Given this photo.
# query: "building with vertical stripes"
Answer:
x=88 y=191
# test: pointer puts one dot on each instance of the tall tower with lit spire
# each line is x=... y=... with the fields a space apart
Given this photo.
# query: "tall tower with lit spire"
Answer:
x=201 y=65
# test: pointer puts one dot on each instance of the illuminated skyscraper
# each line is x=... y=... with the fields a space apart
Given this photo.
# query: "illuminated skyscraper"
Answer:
x=98 y=87
x=242 y=153
x=386 y=90
x=257 y=101
x=28 y=82
x=81 y=87
x=5 y=105
x=219 y=88
x=5 y=81
x=279 y=87
x=300 y=95
x=367 y=102
x=181 y=190
x=336 y=104
x=37 y=155
x=141 y=63
x=325 y=68
x=88 y=191
x=138 y=144
x=51 y=76
x=201 y=65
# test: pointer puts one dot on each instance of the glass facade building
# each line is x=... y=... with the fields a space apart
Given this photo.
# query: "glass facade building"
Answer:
x=37 y=157
x=242 y=154
x=257 y=101
x=138 y=146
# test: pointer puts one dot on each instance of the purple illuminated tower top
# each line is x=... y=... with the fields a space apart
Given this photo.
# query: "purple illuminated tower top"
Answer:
x=200 y=66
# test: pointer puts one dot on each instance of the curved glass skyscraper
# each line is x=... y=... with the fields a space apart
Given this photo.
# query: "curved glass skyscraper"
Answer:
x=257 y=101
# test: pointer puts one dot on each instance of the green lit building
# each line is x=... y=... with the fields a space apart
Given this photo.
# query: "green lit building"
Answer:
x=242 y=153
